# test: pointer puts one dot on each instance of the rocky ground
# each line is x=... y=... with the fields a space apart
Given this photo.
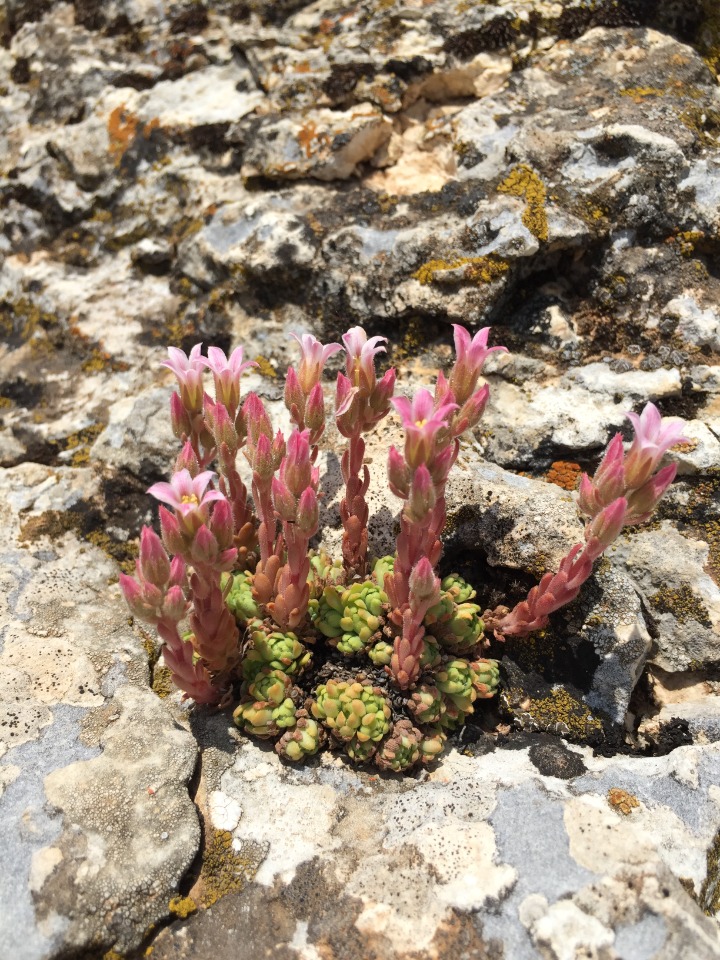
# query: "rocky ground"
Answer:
x=230 y=171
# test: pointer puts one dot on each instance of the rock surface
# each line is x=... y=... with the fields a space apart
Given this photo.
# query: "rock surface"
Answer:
x=228 y=172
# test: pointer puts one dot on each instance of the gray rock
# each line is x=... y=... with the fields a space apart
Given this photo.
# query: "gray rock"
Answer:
x=139 y=435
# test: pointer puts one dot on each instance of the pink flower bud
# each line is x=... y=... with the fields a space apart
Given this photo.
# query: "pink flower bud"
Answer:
x=256 y=419
x=441 y=465
x=175 y=606
x=136 y=598
x=294 y=397
x=471 y=412
x=587 y=497
x=179 y=418
x=443 y=394
x=154 y=561
x=398 y=474
x=422 y=495
x=424 y=585
x=188 y=370
x=308 y=513
x=204 y=548
x=315 y=413
x=171 y=534
x=177 y=572
x=642 y=502
x=278 y=449
x=296 y=469
x=283 y=501
x=221 y=524
x=221 y=426
x=606 y=526
x=263 y=463
x=187 y=460
x=346 y=406
x=382 y=394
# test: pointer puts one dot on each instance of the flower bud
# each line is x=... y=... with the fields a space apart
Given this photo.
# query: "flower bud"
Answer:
x=263 y=462
x=471 y=411
x=422 y=495
x=154 y=561
x=315 y=413
x=296 y=469
x=177 y=571
x=171 y=534
x=221 y=426
x=398 y=474
x=308 y=513
x=424 y=585
x=179 y=417
x=204 y=548
x=256 y=419
x=606 y=526
x=642 y=503
x=283 y=501
x=221 y=524
x=381 y=395
x=136 y=598
x=294 y=397
x=175 y=606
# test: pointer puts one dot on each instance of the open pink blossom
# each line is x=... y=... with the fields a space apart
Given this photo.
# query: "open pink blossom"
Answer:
x=313 y=358
x=422 y=421
x=226 y=374
x=186 y=494
x=653 y=438
x=189 y=373
x=469 y=359
x=361 y=351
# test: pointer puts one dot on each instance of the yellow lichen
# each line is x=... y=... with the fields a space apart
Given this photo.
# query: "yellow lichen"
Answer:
x=559 y=712
x=162 y=682
x=709 y=897
x=639 y=93
x=525 y=183
x=474 y=269
x=682 y=603
x=265 y=368
x=224 y=870
x=181 y=907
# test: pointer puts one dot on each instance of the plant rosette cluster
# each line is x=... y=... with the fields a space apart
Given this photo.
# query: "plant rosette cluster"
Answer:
x=379 y=658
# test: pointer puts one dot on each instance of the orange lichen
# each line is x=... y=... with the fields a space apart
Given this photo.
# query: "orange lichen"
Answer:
x=310 y=138
x=123 y=127
x=622 y=801
x=564 y=474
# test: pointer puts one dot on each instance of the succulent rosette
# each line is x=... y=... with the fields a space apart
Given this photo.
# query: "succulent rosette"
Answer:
x=239 y=598
x=303 y=740
x=401 y=750
x=458 y=588
x=462 y=632
x=350 y=617
x=381 y=653
x=426 y=704
x=352 y=710
x=276 y=650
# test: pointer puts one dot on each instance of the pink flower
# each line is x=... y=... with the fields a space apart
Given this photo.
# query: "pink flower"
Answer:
x=653 y=438
x=296 y=468
x=226 y=374
x=313 y=358
x=188 y=496
x=422 y=423
x=360 y=365
x=189 y=373
x=470 y=357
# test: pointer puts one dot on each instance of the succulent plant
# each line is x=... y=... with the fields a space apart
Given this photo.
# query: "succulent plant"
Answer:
x=263 y=718
x=239 y=599
x=456 y=680
x=350 y=616
x=304 y=740
x=487 y=678
x=426 y=704
x=401 y=750
x=381 y=653
x=269 y=685
x=352 y=710
x=433 y=744
x=323 y=570
x=458 y=588
x=431 y=655
x=463 y=630
x=279 y=651
x=381 y=568
x=360 y=750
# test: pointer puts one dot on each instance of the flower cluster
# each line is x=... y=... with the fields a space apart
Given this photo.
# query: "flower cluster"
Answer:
x=242 y=605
